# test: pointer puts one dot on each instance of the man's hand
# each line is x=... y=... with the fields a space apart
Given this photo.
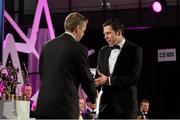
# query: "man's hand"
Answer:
x=101 y=80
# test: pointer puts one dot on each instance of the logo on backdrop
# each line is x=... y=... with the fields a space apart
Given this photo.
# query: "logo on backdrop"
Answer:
x=167 y=55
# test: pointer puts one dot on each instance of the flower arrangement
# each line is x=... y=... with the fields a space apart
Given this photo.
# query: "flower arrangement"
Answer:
x=8 y=79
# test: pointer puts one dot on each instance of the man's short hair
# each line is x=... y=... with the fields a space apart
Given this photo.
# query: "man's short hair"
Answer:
x=116 y=24
x=73 y=20
x=144 y=101
x=87 y=100
x=24 y=85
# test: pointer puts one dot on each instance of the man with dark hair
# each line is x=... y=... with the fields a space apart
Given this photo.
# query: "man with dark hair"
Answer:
x=143 y=109
x=118 y=69
x=63 y=66
x=26 y=90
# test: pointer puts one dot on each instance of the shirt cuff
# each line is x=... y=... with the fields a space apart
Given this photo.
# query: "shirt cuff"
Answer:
x=109 y=80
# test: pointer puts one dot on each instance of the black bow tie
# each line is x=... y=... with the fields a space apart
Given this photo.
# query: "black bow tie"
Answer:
x=114 y=47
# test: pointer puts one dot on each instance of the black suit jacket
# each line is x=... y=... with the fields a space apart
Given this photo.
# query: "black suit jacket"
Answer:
x=63 y=66
x=119 y=100
x=141 y=116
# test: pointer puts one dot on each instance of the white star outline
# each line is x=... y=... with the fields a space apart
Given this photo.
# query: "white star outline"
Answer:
x=11 y=47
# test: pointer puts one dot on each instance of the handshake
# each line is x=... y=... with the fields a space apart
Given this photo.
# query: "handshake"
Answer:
x=101 y=79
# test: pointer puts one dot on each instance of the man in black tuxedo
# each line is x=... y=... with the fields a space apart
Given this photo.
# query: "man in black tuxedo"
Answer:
x=118 y=68
x=63 y=66
x=26 y=90
x=143 y=110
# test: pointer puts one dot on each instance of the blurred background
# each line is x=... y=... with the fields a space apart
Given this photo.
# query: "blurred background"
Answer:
x=153 y=24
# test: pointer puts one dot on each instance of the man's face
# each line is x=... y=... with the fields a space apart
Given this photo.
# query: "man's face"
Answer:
x=81 y=104
x=111 y=36
x=28 y=91
x=90 y=105
x=144 y=107
x=80 y=31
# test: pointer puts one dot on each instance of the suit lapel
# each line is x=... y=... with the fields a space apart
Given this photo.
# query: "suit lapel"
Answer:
x=107 y=60
x=104 y=66
x=123 y=49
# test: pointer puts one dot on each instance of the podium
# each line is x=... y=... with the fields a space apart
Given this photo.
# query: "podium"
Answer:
x=14 y=109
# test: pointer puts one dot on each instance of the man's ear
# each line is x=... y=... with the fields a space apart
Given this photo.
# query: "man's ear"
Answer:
x=119 y=32
x=78 y=28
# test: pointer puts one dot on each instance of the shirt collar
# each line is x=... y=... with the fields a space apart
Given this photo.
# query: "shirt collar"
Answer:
x=121 y=43
x=70 y=34
x=89 y=109
x=144 y=112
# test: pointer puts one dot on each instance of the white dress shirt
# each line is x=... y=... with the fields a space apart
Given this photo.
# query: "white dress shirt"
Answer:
x=113 y=58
